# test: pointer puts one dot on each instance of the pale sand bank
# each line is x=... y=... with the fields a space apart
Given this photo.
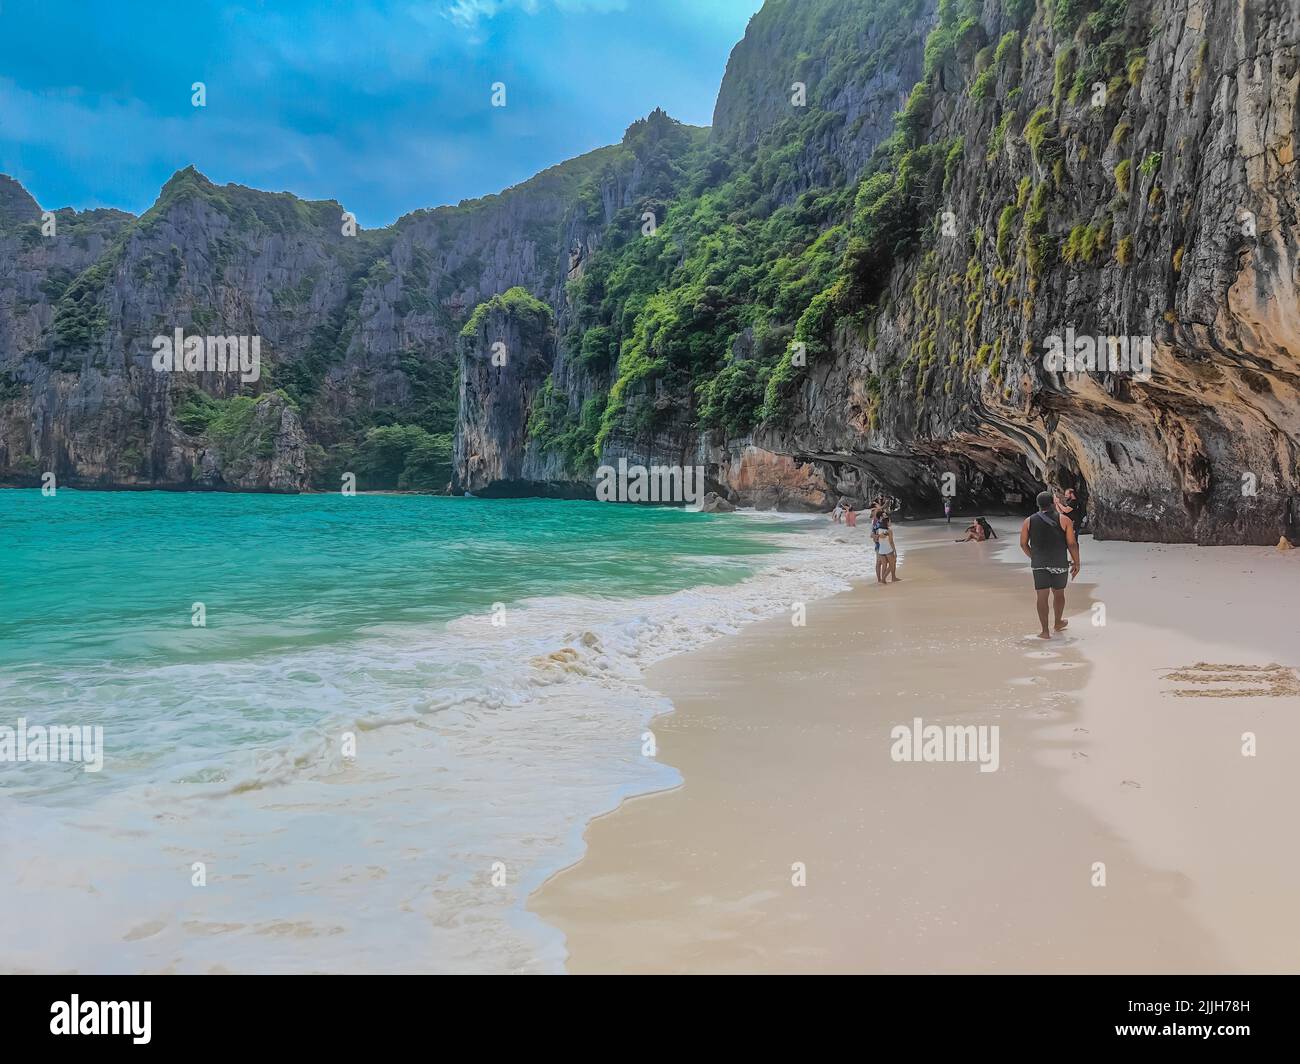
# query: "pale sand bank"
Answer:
x=782 y=738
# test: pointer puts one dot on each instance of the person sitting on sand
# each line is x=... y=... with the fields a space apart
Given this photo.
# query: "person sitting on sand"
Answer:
x=1047 y=538
x=988 y=528
x=974 y=531
x=886 y=551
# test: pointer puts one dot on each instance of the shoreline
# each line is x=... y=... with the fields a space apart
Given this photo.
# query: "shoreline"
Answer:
x=781 y=738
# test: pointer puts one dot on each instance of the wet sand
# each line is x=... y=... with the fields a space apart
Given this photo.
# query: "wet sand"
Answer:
x=797 y=844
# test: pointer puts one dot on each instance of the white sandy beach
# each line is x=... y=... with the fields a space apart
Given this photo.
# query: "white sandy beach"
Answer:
x=782 y=737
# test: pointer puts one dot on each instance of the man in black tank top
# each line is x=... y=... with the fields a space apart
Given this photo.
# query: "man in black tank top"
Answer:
x=1048 y=539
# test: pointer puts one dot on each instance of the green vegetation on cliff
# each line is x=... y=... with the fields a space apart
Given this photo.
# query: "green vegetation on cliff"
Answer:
x=233 y=426
x=405 y=457
x=557 y=429
x=752 y=268
x=530 y=314
x=744 y=258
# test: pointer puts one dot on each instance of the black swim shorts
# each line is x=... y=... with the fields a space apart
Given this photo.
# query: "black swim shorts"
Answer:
x=1045 y=578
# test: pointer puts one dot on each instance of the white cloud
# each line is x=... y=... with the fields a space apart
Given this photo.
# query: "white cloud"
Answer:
x=469 y=13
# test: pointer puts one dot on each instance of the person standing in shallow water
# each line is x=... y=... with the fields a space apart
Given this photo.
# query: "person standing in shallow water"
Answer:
x=1049 y=541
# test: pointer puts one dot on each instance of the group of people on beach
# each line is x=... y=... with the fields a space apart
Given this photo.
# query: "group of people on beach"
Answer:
x=882 y=534
x=1048 y=538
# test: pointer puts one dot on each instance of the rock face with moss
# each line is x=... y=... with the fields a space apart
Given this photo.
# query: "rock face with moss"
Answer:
x=852 y=283
x=1117 y=170
x=507 y=347
x=249 y=444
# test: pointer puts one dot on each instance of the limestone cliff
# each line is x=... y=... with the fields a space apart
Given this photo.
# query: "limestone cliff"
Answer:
x=1132 y=175
x=358 y=329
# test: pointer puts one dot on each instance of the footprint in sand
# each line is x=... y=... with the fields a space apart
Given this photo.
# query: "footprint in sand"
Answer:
x=1062 y=665
x=1042 y=654
x=1026 y=681
x=1080 y=731
x=144 y=931
x=1131 y=783
x=1079 y=755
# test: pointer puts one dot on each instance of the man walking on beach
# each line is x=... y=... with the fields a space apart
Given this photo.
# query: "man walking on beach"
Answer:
x=1047 y=538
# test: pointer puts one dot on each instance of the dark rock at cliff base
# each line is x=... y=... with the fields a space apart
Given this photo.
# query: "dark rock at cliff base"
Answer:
x=713 y=503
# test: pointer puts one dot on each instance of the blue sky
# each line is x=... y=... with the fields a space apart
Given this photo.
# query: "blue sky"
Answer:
x=384 y=106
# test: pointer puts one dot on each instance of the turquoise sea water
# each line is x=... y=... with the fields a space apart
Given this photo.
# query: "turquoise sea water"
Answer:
x=398 y=718
x=96 y=576
x=100 y=591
